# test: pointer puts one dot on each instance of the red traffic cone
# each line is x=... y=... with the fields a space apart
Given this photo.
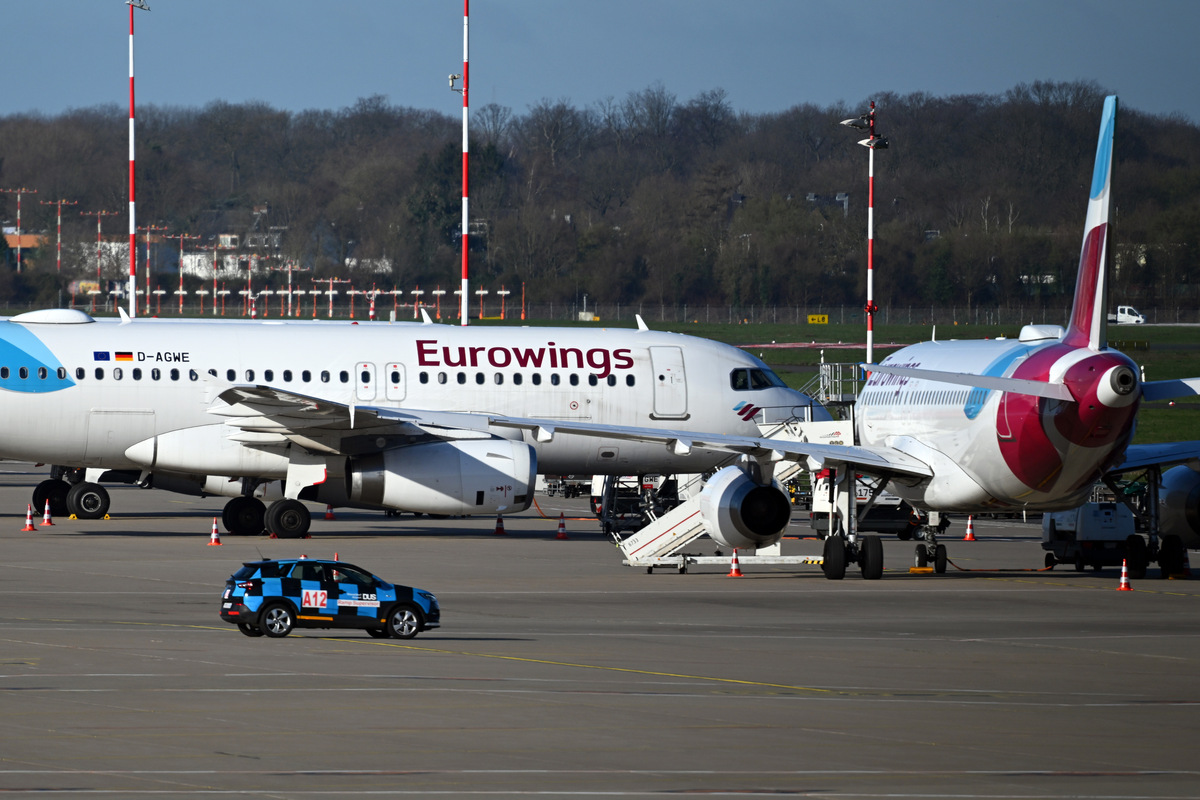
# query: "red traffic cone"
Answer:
x=329 y=517
x=499 y=525
x=1124 y=585
x=970 y=537
x=28 y=518
x=215 y=539
x=46 y=516
x=562 y=527
x=735 y=570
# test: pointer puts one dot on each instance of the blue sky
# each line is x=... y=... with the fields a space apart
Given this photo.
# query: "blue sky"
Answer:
x=768 y=55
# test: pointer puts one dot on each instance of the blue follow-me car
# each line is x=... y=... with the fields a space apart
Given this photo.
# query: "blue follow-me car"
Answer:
x=273 y=597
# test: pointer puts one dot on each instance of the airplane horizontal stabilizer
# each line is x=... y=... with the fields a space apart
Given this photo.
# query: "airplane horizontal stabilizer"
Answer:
x=1051 y=391
x=1168 y=454
x=1169 y=390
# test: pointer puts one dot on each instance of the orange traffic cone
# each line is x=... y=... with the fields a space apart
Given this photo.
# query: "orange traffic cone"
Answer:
x=499 y=525
x=970 y=537
x=735 y=570
x=215 y=539
x=329 y=517
x=46 y=516
x=28 y=518
x=1124 y=585
x=562 y=527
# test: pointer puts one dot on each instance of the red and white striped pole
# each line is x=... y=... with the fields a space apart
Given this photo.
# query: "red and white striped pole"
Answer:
x=18 y=193
x=465 y=149
x=870 y=309
x=132 y=215
x=60 y=204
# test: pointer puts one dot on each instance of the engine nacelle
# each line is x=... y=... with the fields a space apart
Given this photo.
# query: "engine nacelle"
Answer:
x=472 y=476
x=740 y=513
x=1179 y=505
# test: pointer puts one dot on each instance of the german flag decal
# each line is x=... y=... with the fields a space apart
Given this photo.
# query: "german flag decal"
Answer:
x=127 y=356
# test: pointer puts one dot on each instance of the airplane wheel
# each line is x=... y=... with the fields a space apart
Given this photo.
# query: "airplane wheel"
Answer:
x=870 y=559
x=1050 y=561
x=288 y=519
x=88 y=501
x=1137 y=555
x=243 y=516
x=920 y=557
x=834 y=562
x=56 y=492
x=939 y=560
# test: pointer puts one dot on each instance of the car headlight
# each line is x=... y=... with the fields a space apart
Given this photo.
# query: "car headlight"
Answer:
x=428 y=596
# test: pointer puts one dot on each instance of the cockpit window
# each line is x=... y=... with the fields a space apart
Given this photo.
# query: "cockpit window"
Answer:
x=748 y=380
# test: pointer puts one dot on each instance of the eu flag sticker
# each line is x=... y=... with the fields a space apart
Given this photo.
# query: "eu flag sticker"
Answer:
x=100 y=355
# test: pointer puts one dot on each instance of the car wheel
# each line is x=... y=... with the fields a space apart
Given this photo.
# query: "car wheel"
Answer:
x=277 y=621
x=88 y=501
x=288 y=519
x=377 y=633
x=404 y=622
x=248 y=629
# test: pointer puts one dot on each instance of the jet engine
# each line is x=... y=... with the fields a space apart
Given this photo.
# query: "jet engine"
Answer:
x=740 y=513
x=472 y=476
x=1179 y=505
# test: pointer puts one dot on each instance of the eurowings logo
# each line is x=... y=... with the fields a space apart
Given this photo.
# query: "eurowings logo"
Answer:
x=746 y=410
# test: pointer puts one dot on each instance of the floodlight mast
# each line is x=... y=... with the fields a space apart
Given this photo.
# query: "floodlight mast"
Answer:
x=873 y=142
x=18 y=193
x=60 y=204
x=465 y=149
x=132 y=215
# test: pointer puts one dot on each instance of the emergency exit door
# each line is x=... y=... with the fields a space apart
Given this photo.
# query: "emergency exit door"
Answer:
x=670 y=383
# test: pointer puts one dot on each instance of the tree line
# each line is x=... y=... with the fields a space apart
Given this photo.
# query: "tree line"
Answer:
x=979 y=199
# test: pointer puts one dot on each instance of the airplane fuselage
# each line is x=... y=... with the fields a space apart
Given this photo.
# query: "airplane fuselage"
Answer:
x=109 y=386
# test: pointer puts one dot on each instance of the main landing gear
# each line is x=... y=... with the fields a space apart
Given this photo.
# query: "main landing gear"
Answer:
x=83 y=500
x=248 y=516
x=866 y=551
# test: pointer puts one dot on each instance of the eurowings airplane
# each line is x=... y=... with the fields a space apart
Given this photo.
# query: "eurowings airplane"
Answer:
x=450 y=420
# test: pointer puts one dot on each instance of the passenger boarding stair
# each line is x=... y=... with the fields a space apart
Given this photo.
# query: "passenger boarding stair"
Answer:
x=661 y=543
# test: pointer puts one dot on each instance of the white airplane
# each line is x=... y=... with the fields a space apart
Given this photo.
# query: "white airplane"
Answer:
x=450 y=420
x=399 y=416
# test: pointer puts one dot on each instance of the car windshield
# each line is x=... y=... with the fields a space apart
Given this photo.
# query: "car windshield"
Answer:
x=245 y=572
x=344 y=573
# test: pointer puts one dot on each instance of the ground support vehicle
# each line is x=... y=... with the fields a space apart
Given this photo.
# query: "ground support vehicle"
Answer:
x=1095 y=535
x=274 y=597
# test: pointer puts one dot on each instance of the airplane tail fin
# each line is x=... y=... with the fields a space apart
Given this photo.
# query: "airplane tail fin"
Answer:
x=1089 y=313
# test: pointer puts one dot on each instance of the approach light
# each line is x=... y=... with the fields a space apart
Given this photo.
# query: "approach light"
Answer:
x=858 y=122
x=878 y=143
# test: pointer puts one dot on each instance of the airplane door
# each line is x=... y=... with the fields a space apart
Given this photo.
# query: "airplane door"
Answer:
x=670 y=383
x=366 y=380
x=394 y=373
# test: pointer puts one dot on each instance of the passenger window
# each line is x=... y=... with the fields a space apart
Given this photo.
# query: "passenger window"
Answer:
x=42 y=373
x=62 y=373
x=99 y=373
x=324 y=376
x=193 y=375
x=212 y=372
x=136 y=372
x=344 y=376
x=536 y=378
x=554 y=379
x=174 y=374
x=118 y=373
x=364 y=377
x=269 y=375
x=423 y=377
x=499 y=378
x=629 y=380
x=250 y=375
x=479 y=378
x=517 y=378
x=396 y=377
x=306 y=376
x=442 y=377
x=230 y=375
x=592 y=380
x=573 y=379
x=612 y=380
x=462 y=377
x=80 y=372
x=155 y=374
x=287 y=376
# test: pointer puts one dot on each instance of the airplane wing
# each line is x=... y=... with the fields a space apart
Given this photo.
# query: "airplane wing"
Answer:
x=264 y=415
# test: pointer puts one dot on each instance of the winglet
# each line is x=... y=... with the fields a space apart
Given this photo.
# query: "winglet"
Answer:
x=1089 y=312
x=425 y=316
x=641 y=323
x=125 y=318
